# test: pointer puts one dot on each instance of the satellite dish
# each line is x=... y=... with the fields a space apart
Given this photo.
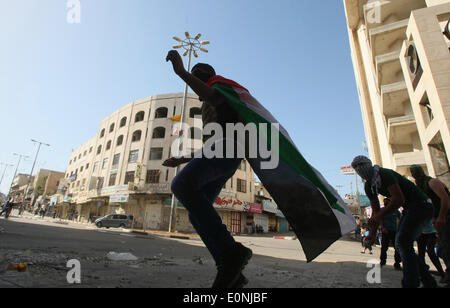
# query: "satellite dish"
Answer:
x=447 y=30
x=413 y=59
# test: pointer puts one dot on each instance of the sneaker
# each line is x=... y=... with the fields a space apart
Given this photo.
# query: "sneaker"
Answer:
x=233 y=262
x=242 y=282
x=445 y=279
x=398 y=267
x=429 y=282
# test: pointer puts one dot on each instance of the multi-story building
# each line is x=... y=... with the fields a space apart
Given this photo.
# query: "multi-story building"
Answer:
x=402 y=67
x=42 y=185
x=120 y=169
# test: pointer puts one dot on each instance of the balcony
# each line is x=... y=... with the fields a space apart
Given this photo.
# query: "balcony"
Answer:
x=393 y=97
x=409 y=158
x=389 y=11
x=388 y=38
x=400 y=130
x=388 y=68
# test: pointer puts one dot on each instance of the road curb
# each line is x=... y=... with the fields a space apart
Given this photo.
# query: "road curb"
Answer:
x=180 y=237
x=139 y=232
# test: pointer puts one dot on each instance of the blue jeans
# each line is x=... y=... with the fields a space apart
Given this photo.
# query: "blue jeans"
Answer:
x=197 y=187
x=410 y=228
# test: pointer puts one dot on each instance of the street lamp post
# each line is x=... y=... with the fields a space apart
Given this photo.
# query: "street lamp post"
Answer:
x=191 y=45
x=4 y=171
x=32 y=168
x=17 y=168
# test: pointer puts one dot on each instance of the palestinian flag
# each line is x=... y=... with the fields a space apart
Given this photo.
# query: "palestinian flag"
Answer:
x=312 y=207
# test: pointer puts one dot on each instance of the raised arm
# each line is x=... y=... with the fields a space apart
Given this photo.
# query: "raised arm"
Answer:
x=204 y=91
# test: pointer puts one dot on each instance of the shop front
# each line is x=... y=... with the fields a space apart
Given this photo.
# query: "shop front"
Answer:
x=254 y=218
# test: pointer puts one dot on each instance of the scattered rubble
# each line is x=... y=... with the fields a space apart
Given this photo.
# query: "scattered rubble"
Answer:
x=126 y=256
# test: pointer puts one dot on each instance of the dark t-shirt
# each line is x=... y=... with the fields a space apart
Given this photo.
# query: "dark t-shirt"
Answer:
x=411 y=192
x=425 y=186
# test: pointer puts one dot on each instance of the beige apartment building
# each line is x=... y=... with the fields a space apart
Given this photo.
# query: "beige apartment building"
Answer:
x=120 y=169
x=43 y=184
x=402 y=67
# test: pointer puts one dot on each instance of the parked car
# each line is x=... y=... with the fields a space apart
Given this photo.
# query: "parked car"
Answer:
x=115 y=221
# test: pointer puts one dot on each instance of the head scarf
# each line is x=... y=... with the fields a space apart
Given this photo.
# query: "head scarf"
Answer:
x=422 y=178
x=363 y=166
x=365 y=169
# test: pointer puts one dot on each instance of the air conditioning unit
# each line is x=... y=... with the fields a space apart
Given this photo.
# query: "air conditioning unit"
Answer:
x=413 y=59
x=447 y=30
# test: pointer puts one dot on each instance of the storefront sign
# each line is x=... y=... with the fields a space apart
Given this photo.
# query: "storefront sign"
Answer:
x=347 y=170
x=280 y=214
x=114 y=189
x=253 y=207
x=119 y=198
x=269 y=206
x=159 y=188
x=229 y=203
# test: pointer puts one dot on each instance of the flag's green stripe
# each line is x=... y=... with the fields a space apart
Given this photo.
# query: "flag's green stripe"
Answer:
x=288 y=152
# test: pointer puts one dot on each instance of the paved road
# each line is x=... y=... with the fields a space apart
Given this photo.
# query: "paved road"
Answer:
x=169 y=263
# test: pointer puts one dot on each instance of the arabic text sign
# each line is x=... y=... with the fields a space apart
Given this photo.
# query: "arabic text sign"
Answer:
x=119 y=198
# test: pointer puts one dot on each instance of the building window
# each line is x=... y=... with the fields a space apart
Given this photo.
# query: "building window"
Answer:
x=81 y=169
x=133 y=157
x=241 y=186
x=116 y=160
x=156 y=153
x=111 y=128
x=100 y=182
x=136 y=136
x=70 y=162
x=123 y=122
x=195 y=112
x=99 y=149
x=195 y=133
x=129 y=177
x=85 y=153
x=161 y=113
x=108 y=145
x=105 y=163
x=102 y=133
x=152 y=176
x=95 y=167
x=87 y=166
x=159 y=133
x=139 y=117
x=90 y=150
x=120 y=140
x=112 y=179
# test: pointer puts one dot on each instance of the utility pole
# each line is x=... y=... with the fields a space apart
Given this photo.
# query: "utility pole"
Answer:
x=191 y=45
x=17 y=168
x=4 y=171
x=32 y=168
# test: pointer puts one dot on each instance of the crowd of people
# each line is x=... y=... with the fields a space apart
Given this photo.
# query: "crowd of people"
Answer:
x=412 y=213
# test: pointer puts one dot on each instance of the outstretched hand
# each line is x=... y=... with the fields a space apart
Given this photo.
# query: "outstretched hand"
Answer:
x=175 y=161
x=177 y=62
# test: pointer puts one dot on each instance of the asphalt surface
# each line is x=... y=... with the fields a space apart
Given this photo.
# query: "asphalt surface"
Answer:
x=164 y=262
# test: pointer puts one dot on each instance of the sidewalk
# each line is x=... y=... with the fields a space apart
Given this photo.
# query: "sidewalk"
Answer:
x=176 y=234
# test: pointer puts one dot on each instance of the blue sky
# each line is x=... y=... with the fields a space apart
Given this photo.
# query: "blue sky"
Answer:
x=59 y=80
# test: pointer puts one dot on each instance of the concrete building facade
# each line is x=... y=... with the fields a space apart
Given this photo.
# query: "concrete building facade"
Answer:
x=402 y=68
x=120 y=169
